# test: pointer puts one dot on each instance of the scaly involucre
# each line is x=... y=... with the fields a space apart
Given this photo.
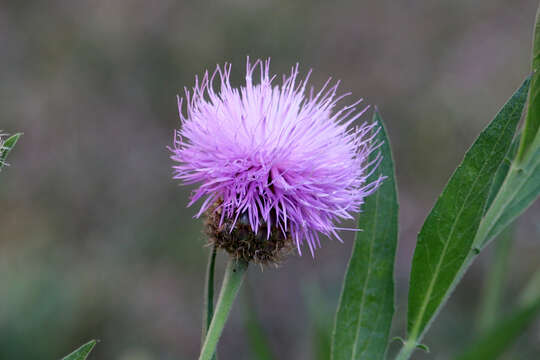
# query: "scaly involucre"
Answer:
x=275 y=153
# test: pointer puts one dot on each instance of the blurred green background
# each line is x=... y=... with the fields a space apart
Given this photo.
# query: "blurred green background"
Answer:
x=95 y=238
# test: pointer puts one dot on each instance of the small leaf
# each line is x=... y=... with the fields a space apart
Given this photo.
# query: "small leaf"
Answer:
x=82 y=352
x=445 y=239
x=366 y=306
x=423 y=347
x=6 y=148
x=532 y=120
x=502 y=335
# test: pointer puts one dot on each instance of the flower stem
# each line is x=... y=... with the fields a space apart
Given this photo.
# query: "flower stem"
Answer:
x=208 y=306
x=407 y=350
x=234 y=275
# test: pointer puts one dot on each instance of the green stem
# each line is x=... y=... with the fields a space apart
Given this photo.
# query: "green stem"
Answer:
x=208 y=308
x=234 y=275
x=407 y=350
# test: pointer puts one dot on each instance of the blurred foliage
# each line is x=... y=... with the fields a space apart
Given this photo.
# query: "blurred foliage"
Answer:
x=97 y=242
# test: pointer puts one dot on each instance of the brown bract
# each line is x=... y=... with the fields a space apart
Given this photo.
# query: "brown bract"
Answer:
x=243 y=243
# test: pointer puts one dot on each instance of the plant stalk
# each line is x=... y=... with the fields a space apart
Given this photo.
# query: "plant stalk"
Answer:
x=234 y=276
x=208 y=306
x=407 y=350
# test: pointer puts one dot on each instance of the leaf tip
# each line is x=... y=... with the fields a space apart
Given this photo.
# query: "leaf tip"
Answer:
x=423 y=347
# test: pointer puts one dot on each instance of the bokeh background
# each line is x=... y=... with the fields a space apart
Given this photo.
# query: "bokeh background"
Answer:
x=95 y=239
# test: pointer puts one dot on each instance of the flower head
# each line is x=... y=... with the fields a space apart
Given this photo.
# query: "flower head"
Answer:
x=277 y=160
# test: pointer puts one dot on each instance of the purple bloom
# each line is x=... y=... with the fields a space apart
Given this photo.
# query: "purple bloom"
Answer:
x=274 y=155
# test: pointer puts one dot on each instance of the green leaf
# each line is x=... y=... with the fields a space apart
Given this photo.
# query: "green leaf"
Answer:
x=532 y=120
x=82 y=352
x=502 y=335
x=366 y=306
x=6 y=148
x=447 y=235
x=519 y=190
x=502 y=171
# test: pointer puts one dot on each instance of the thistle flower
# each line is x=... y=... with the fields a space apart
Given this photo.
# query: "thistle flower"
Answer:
x=276 y=165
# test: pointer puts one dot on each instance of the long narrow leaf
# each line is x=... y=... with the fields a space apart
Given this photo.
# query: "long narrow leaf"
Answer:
x=366 y=306
x=519 y=190
x=532 y=120
x=522 y=184
x=502 y=171
x=445 y=239
x=82 y=352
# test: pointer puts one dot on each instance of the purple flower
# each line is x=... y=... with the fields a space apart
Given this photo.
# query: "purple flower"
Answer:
x=274 y=156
